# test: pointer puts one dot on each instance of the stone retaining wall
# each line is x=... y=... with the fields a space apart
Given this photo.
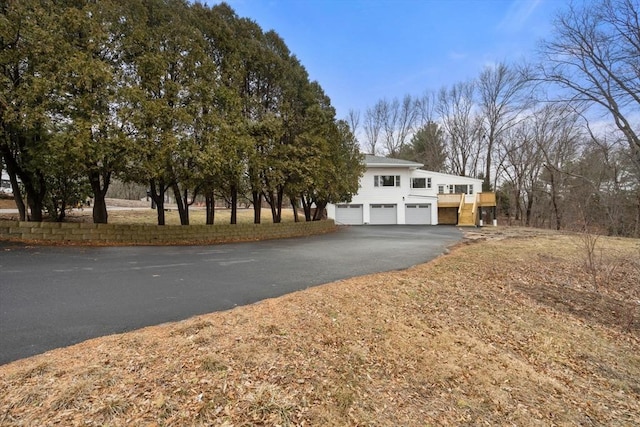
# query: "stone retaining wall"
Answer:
x=135 y=234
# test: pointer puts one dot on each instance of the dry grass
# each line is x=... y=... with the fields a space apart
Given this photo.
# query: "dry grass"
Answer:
x=196 y=216
x=7 y=203
x=142 y=214
x=509 y=331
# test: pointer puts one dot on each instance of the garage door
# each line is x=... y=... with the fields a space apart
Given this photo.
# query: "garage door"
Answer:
x=384 y=214
x=418 y=214
x=349 y=214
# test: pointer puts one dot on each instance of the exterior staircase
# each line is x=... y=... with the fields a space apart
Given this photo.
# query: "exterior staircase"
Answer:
x=466 y=215
x=462 y=209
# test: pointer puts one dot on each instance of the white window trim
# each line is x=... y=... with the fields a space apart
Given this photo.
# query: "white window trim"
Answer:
x=427 y=182
x=377 y=181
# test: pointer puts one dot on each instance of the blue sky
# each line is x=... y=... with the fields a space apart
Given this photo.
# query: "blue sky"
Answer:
x=361 y=51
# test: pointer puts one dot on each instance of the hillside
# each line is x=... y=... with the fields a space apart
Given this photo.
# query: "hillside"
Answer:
x=502 y=330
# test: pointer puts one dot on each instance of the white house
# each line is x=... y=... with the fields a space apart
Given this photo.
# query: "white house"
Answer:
x=5 y=184
x=394 y=191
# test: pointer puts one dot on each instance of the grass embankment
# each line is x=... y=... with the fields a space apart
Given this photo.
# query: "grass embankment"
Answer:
x=511 y=331
x=141 y=213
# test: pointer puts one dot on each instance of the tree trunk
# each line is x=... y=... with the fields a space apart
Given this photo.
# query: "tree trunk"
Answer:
x=33 y=183
x=210 y=207
x=183 y=207
x=100 y=214
x=35 y=209
x=160 y=210
x=157 y=195
x=63 y=211
x=306 y=206
x=280 y=200
x=320 y=206
x=22 y=209
x=257 y=206
x=486 y=184
x=554 y=200
x=270 y=198
x=12 y=170
x=35 y=198
x=529 y=210
x=636 y=231
x=295 y=209
x=17 y=196
x=234 y=204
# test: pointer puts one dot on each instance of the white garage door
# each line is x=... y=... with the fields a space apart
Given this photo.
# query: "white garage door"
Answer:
x=418 y=214
x=384 y=214
x=349 y=214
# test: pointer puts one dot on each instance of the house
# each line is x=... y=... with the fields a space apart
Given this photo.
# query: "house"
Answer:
x=5 y=184
x=394 y=191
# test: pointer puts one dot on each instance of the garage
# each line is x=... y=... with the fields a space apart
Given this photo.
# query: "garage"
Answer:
x=418 y=214
x=384 y=214
x=349 y=214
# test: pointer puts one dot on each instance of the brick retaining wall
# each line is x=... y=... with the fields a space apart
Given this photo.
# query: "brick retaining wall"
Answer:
x=136 y=234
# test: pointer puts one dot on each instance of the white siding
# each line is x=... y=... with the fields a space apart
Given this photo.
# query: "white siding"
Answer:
x=403 y=195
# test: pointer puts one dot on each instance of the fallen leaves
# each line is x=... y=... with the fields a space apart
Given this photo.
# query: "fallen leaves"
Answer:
x=506 y=331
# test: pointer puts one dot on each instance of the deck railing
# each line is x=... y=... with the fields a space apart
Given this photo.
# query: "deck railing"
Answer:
x=487 y=199
x=462 y=199
x=457 y=200
x=449 y=199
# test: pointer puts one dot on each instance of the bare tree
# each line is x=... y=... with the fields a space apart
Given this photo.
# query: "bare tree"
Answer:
x=461 y=125
x=603 y=170
x=373 y=122
x=594 y=56
x=426 y=106
x=353 y=120
x=521 y=164
x=502 y=99
x=399 y=121
x=556 y=136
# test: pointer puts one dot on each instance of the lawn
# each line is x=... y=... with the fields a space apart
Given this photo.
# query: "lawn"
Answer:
x=141 y=213
x=513 y=327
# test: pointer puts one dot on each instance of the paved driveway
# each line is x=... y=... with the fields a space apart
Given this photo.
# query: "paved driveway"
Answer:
x=57 y=296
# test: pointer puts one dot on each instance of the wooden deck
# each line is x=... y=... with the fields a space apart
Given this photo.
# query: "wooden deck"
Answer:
x=486 y=199
x=467 y=206
x=454 y=200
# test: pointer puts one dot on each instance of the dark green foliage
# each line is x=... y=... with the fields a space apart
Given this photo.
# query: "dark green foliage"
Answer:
x=172 y=95
x=427 y=146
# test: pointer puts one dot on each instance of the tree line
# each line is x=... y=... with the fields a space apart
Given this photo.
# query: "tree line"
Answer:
x=181 y=97
x=558 y=140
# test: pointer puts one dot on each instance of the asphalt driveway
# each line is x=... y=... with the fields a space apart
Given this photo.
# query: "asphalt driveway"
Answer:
x=57 y=296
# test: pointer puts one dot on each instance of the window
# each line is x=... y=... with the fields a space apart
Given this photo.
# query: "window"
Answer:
x=386 y=181
x=418 y=183
x=464 y=189
x=440 y=189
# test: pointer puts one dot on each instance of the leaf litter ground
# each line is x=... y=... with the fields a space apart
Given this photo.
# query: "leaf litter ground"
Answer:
x=509 y=328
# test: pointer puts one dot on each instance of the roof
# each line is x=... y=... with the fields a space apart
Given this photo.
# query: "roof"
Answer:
x=388 y=162
x=452 y=179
